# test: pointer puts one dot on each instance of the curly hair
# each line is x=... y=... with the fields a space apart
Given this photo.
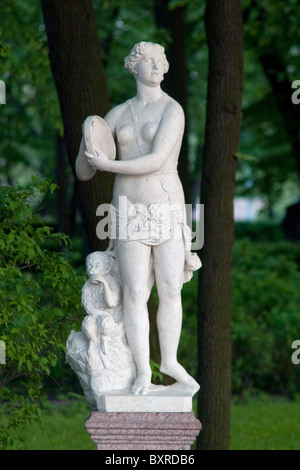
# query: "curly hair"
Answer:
x=136 y=53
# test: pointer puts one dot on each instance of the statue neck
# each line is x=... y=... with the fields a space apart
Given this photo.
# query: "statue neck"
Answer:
x=146 y=94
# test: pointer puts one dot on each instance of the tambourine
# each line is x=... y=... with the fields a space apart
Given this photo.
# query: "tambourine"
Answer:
x=96 y=136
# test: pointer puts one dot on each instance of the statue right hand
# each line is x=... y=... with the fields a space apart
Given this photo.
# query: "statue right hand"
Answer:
x=98 y=162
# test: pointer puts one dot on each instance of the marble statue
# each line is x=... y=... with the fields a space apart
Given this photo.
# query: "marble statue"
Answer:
x=99 y=354
x=153 y=240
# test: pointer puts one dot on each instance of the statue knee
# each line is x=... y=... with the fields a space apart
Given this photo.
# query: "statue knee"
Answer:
x=135 y=293
x=169 y=290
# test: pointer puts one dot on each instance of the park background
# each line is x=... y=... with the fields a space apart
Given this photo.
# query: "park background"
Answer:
x=249 y=397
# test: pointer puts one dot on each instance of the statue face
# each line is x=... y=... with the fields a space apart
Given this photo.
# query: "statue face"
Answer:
x=150 y=69
x=96 y=267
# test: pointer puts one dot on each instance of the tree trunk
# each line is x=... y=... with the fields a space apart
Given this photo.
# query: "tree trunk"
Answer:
x=65 y=214
x=224 y=30
x=78 y=72
x=175 y=81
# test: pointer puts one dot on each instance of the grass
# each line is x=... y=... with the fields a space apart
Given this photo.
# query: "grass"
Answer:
x=266 y=424
x=257 y=424
x=61 y=428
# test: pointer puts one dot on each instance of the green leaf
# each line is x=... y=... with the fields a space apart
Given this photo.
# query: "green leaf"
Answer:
x=4 y=50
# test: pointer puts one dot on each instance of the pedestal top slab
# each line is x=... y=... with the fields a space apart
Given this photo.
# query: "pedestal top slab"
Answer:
x=170 y=399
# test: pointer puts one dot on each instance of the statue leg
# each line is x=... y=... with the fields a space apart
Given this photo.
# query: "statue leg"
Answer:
x=168 y=264
x=134 y=259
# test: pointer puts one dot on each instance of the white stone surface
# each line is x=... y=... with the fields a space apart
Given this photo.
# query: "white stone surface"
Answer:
x=95 y=132
x=144 y=403
x=99 y=354
x=168 y=399
x=148 y=131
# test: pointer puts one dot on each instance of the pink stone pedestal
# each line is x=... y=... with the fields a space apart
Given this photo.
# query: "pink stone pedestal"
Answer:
x=143 y=430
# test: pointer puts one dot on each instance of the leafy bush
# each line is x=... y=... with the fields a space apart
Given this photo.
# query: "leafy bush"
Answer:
x=39 y=302
x=265 y=316
x=259 y=231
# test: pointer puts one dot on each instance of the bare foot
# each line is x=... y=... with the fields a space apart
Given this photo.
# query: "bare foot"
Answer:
x=178 y=373
x=141 y=385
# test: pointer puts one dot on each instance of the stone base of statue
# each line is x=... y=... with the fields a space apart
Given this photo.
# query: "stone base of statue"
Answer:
x=161 y=420
x=142 y=430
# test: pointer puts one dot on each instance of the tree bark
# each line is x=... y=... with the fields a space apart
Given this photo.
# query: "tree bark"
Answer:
x=224 y=31
x=77 y=68
x=175 y=81
x=65 y=214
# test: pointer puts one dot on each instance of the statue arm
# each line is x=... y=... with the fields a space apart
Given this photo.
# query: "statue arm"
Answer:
x=84 y=171
x=110 y=297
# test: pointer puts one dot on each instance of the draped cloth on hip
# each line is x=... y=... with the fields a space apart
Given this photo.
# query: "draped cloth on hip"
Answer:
x=153 y=225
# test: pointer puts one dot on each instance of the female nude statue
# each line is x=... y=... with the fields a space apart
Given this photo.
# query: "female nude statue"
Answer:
x=148 y=130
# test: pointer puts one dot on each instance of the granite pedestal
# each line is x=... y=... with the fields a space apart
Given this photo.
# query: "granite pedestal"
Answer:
x=161 y=420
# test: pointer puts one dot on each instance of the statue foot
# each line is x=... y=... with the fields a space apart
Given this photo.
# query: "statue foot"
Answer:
x=177 y=372
x=141 y=385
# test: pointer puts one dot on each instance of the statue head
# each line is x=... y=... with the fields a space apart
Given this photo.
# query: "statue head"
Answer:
x=99 y=264
x=139 y=50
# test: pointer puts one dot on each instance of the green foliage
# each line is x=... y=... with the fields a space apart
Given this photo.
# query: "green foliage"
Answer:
x=265 y=312
x=61 y=427
x=156 y=375
x=259 y=231
x=280 y=20
x=265 y=316
x=4 y=50
x=39 y=302
x=30 y=119
x=121 y=25
x=270 y=26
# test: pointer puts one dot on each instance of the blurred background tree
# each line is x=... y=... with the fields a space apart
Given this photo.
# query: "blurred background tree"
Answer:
x=270 y=129
x=225 y=37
